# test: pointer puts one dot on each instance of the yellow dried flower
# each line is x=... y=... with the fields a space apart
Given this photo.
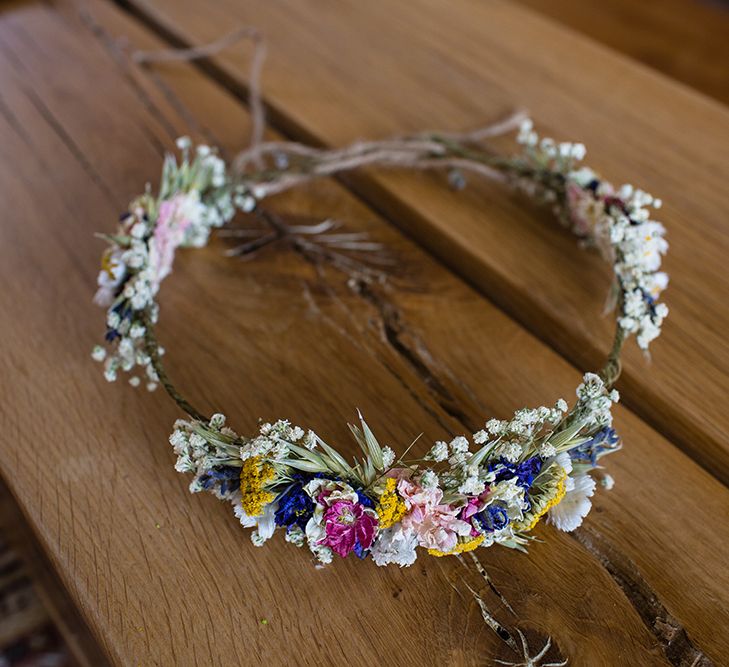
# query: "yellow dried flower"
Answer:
x=390 y=509
x=110 y=262
x=253 y=476
x=461 y=547
x=541 y=507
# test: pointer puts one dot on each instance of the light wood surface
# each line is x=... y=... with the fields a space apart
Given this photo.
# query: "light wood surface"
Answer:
x=376 y=68
x=164 y=578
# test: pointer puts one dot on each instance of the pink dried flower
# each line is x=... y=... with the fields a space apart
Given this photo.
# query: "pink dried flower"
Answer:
x=474 y=506
x=348 y=526
x=582 y=207
x=435 y=525
x=173 y=221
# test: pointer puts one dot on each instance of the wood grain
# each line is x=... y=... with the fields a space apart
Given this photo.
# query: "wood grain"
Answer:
x=164 y=578
x=377 y=68
x=685 y=39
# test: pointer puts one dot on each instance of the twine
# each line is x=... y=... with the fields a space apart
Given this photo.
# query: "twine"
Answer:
x=258 y=117
x=420 y=152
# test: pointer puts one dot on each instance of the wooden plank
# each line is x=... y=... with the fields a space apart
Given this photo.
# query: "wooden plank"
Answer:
x=21 y=611
x=49 y=602
x=164 y=578
x=685 y=39
x=373 y=69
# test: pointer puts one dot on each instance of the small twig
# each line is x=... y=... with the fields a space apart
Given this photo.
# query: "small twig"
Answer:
x=253 y=245
x=315 y=251
x=485 y=576
x=532 y=661
x=501 y=632
x=239 y=233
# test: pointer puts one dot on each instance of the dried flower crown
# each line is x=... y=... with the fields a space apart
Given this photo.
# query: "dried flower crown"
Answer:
x=491 y=488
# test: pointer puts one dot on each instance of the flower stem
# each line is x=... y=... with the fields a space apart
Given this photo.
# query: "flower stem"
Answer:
x=611 y=371
x=152 y=349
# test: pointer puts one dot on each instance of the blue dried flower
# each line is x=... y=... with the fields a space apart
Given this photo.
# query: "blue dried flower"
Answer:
x=227 y=477
x=124 y=311
x=605 y=440
x=493 y=518
x=525 y=472
x=365 y=500
x=294 y=505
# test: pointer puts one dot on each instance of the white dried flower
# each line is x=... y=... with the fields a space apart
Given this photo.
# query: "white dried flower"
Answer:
x=310 y=440
x=139 y=230
x=198 y=444
x=136 y=331
x=568 y=514
x=510 y=450
x=294 y=535
x=496 y=426
x=217 y=421
x=110 y=369
x=323 y=554
x=471 y=485
x=459 y=445
x=183 y=143
x=178 y=440
x=480 y=437
x=591 y=386
x=185 y=464
x=429 y=479
x=459 y=450
x=395 y=545
x=280 y=450
x=438 y=452
x=113 y=319
x=547 y=451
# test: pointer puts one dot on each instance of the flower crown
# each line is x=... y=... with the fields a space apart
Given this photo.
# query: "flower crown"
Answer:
x=491 y=488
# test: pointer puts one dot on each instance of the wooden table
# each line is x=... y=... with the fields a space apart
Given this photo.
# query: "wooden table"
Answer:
x=503 y=313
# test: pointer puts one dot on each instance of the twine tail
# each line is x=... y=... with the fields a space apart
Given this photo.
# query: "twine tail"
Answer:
x=255 y=102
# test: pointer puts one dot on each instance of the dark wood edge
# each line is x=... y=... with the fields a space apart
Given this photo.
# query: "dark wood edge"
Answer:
x=84 y=649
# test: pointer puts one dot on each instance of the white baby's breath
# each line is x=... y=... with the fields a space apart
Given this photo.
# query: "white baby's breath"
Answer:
x=438 y=452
